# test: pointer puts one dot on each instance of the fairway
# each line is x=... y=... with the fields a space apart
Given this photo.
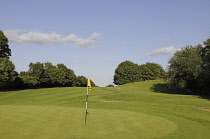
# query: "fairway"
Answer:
x=129 y=111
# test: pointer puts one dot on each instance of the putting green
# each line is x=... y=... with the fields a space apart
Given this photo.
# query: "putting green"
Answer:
x=48 y=122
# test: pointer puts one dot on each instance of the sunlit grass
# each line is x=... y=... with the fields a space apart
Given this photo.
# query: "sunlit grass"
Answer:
x=128 y=111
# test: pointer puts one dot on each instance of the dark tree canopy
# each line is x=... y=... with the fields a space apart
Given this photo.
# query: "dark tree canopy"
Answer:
x=50 y=75
x=146 y=73
x=5 y=51
x=7 y=73
x=189 y=69
x=156 y=69
x=81 y=81
x=204 y=80
x=127 y=72
x=66 y=76
x=184 y=67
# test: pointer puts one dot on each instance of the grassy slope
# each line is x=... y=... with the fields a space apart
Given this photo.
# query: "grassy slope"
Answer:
x=128 y=111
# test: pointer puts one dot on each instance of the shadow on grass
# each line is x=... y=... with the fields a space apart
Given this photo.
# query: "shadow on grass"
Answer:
x=161 y=88
x=20 y=89
x=10 y=90
x=204 y=97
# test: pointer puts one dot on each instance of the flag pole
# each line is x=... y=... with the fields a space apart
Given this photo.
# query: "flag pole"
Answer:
x=86 y=113
x=88 y=88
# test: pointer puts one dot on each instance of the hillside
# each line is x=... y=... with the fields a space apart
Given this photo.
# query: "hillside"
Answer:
x=148 y=85
x=128 y=111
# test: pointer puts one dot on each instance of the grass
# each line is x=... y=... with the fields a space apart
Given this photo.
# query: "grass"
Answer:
x=129 y=111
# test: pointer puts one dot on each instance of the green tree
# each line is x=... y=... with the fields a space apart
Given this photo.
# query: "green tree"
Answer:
x=156 y=69
x=185 y=68
x=49 y=75
x=127 y=72
x=24 y=73
x=5 y=51
x=66 y=76
x=204 y=79
x=7 y=73
x=28 y=81
x=37 y=70
x=81 y=81
x=146 y=73
x=93 y=84
x=52 y=72
x=110 y=85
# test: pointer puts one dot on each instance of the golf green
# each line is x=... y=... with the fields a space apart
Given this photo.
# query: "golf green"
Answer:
x=53 y=122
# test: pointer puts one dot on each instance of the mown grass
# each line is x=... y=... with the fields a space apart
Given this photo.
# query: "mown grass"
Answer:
x=128 y=111
x=152 y=85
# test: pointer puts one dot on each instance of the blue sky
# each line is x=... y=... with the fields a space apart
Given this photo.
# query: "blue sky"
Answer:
x=92 y=37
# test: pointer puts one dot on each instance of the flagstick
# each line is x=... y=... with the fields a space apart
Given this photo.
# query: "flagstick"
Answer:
x=86 y=106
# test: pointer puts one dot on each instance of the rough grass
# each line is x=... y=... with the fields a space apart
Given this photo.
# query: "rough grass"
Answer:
x=130 y=111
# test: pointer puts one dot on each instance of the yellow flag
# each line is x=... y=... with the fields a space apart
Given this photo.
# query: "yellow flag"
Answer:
x=89 y=84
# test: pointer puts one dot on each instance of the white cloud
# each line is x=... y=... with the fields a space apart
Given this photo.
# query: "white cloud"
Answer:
x=163 y=51
x=82 y=42
x=18 y=36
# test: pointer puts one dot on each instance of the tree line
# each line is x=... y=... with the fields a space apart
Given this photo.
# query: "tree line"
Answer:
x=188 y=71
x=38 y=75
x=128 y=72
